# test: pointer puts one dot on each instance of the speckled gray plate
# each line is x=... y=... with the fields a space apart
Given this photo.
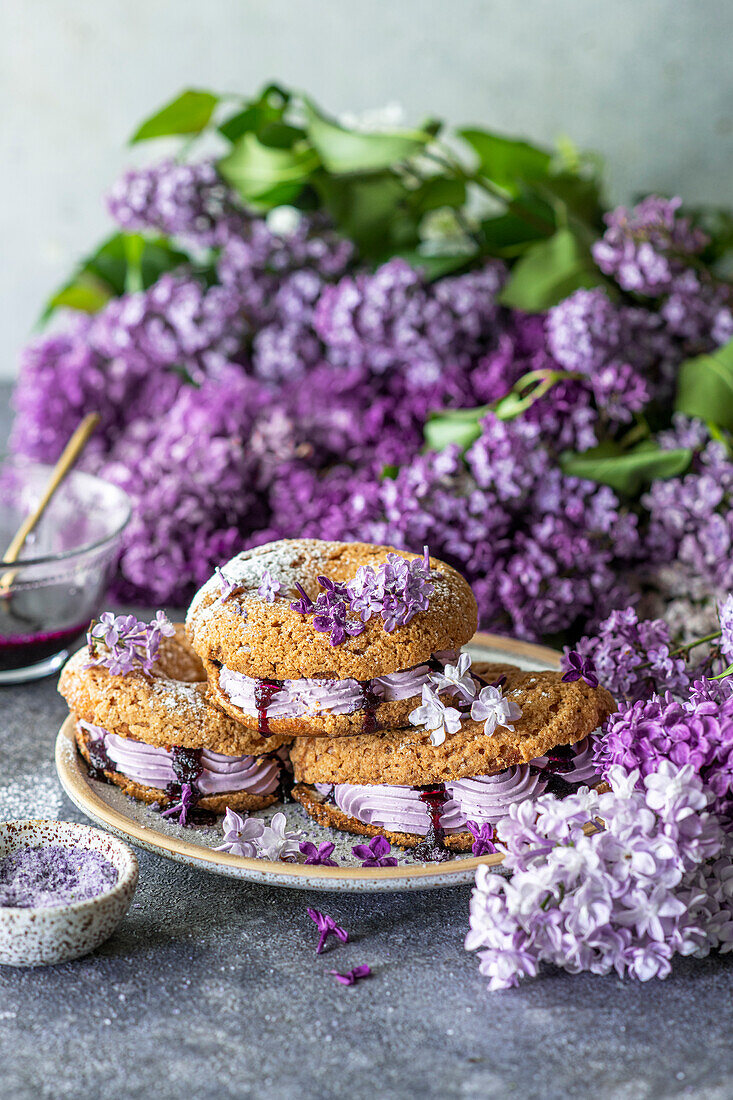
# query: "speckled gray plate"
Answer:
x=134 y=821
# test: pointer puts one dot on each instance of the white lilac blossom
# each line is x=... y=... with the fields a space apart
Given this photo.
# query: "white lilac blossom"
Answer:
x=434 y=716
x=241 y=834
x=456 y=679
x=251 y=837
x=653 y=881
x=122 y=643
x=277 y=842
x=493 y=709
x=269 y=587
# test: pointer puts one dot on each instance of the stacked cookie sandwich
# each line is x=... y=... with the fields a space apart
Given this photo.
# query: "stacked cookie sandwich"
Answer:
x=352 y=652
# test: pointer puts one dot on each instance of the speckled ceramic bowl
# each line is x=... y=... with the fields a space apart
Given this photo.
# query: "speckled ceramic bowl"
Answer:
x=57 y=933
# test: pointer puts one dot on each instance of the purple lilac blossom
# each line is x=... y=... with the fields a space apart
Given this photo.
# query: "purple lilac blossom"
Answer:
x=632 y=657
x=352 y=976
x=122 y=643
x=326 y=927
x=376 y=853
x=696 y=731
x=318 y=856
x=653 y=883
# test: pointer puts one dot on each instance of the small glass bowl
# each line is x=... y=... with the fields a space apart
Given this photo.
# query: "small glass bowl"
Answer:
x=57 y=586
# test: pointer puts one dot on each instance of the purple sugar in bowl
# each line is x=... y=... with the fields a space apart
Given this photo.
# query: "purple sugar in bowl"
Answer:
x=59 y=582
x=64 y=888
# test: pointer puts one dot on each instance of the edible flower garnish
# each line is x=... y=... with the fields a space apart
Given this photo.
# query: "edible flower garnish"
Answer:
x=123 y=643
x=579 y=668
x=397 y=589
x=456 y=679
x=484 y=838
x=327 y=927
x=277 y=842
x=318 y=856
x=269 y=587
x=240 y=834
x=227 y=586
x=305 y=605
x=493 y=709
x=434 y=716
x=330 y=614
x=183 y=805
x=351 y=977
x=375 y=853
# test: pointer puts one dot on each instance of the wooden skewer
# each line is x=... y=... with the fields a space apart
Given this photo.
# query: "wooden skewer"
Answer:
x=71 y=452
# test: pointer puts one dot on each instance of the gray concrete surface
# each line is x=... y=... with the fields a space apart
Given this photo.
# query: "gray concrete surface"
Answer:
x=647 y=83
x=211 y=989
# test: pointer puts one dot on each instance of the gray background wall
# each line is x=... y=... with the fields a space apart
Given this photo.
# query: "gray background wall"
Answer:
x=646 y=82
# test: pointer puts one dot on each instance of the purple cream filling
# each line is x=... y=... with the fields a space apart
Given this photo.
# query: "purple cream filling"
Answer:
x=294 y=698
x=152 y=766
x=482 y=798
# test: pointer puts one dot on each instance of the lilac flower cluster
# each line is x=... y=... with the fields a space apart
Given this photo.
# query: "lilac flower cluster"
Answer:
x=696 y=731
x=396 y=590
x=186 y=201
x=330 y=611
x=654 y=881
x=121 y=643
x=631 y=658
x=269 y=404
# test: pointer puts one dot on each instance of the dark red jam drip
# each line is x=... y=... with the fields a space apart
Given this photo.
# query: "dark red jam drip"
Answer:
x=556 y=784
x=186 y=764
x=561 y=759
x=285 y=788
x=368 y=704
x=265 y=692
x=99 y=762
x=432 y=848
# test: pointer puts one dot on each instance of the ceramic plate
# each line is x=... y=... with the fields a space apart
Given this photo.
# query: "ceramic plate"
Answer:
x=134 y=821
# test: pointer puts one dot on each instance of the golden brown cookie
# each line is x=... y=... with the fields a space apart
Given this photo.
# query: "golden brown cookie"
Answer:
x=273 y=671
x=326 y=813
x=553 y=713
x=270 y=641
x=170 y=706
x=217 y=803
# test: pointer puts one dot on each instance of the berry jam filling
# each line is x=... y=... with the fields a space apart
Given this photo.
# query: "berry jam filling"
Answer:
x=432 y=848
x=368 y=704
x=186 y=764
x=284 y=791
x=265 y=692
x=99 y=762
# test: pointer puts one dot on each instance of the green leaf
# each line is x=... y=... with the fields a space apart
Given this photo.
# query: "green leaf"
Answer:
x=343 y=151
x=373 y=210
x=106 y=273
x=705 y=387
x=84 y=293
x=461 y=426
x=579 y=197
x=507 y=236
x=189 y=113
x=507 y=162
x=437 y=192
x=436 y=266
x=268 y=175
x=626 y=472
x=549 y=271
x=268 y=107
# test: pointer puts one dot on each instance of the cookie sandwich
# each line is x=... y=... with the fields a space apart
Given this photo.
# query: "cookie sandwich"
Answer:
x=484 y=738
x=145 y=721
x=329 y=639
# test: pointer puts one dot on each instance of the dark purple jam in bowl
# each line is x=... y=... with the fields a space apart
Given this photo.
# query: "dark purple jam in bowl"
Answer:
x=59 y=583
